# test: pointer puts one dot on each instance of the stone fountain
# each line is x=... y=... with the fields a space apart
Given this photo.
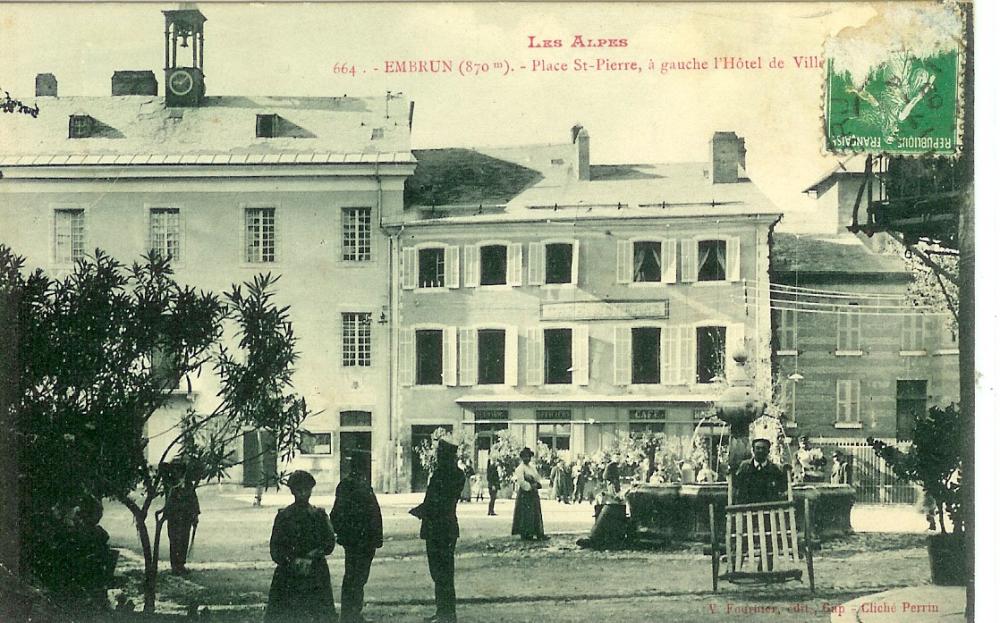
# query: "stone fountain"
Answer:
x=679 y=511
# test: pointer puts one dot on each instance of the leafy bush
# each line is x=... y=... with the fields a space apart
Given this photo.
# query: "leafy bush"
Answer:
x=428 y=449
x=934 y=460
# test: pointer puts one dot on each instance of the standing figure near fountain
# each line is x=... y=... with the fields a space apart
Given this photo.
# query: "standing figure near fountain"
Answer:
x=758 y=479
x=810 y=461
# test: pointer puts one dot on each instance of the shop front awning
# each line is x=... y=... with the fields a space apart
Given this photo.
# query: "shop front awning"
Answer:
x=582 y=398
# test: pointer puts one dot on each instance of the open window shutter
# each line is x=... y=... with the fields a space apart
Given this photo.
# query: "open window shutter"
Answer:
x=734 y=342
x=510 y=357
x=624 y=261
x=667 y=340
x=733 y=259
x=623 y=355
x=449 y=347
x=514 y=268
x=575 y=278
x=407 y=356
x=855 y=401
x=689 y=261
x=409 y=269
x=535 y=357
x=467 y=356
x=669 y=261
x=471 y=266
x=451 y=266
x=581 y=355
x=536 y=264
x=686 y=355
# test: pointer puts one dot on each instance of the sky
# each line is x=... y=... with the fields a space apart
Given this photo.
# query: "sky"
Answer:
x=292 y=49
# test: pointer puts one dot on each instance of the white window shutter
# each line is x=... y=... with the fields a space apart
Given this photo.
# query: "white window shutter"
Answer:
x=733 y=259
x=686 y=355
x=510 y=356
x=514 y=268
x=689 y=260
x=581 y=355
x=536 y=264
x=407 y=356
x=735 y=341
x=409 y=269
x=623 y=355
x=468 y=356
x=624 y=261
x=665 y=344
x=451 y=266
x=669 y=261
x=471 y=266
x=575 y=276
x=536 y=355
x=449 y=346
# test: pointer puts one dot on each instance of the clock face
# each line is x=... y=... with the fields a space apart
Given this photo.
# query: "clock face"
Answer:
x=181 y=82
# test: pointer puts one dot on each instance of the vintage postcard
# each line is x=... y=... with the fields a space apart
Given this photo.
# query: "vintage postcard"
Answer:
x=487 y=312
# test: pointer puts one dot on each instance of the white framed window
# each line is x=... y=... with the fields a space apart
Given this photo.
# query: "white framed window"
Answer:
x=639 y=353
x=260 y=229
x=69 y=235
x=493 y=263
x=849 y=402
x=430 y=266
x=913 y=334
x=647 y=260
x=487 y=355
x=356 y=235
x=554 y=262
x=165 y=232
x=428 y=355
x=849 y=328
x=555 y=435
x=788 y=331
x=710 y=259
x=356 y=328
x=316 y=443
x=558 y=355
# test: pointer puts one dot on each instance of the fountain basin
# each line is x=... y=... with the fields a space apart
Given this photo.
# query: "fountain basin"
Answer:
x=677 y=512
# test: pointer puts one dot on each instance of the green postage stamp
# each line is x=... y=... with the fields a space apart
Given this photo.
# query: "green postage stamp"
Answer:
x=893 y=85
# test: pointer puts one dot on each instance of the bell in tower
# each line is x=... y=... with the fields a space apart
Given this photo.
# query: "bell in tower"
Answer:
x=185 y=81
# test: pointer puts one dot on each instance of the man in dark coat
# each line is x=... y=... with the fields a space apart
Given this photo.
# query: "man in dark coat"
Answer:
x=439 y=528
x=357 y=520
x=758 y=479
x=493 y=483
x=301 y=539
x=180 y=510
x=612 y=475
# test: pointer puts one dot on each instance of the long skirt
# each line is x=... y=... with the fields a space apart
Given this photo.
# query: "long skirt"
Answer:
x=528 y=515
x=301 y=599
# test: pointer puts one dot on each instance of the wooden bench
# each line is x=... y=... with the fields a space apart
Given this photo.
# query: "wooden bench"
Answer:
x=762 y=543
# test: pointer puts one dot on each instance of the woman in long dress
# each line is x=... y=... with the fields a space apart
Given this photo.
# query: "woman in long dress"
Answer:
x=528 y=506
x=300 y=541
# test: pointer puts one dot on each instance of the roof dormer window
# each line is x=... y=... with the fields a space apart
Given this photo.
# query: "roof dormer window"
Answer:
x=81 y=126
x=267 y=126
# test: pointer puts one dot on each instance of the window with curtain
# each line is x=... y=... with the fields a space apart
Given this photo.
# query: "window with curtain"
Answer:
x=647 y=264
x=712 y=260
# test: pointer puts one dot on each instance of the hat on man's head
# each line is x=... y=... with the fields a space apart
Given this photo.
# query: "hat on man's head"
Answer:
x=526 y=452
x=764 y=439
x=300 y=478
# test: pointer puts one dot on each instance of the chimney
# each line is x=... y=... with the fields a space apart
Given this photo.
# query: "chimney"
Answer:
x=46 y=85
x=728 y=157
x=125 y=82
x=582 y=141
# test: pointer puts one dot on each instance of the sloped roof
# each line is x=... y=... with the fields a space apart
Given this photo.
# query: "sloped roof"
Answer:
x=833 y=255
x=852 y=165
x=138 y=129
x=498 y=176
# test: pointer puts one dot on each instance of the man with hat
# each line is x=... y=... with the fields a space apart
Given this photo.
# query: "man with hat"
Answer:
x=439 y=527
x=357 y=520
x=810 y=460
x=301 y=539
x=757 y=479
x=180 y=510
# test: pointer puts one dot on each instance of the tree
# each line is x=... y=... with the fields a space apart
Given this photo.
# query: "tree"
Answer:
x=934 y=461
x=97 y=353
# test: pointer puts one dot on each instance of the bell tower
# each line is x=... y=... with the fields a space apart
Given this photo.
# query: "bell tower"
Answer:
x=185 y=83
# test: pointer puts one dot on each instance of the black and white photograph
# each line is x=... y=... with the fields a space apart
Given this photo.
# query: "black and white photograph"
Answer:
x=492 y=312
